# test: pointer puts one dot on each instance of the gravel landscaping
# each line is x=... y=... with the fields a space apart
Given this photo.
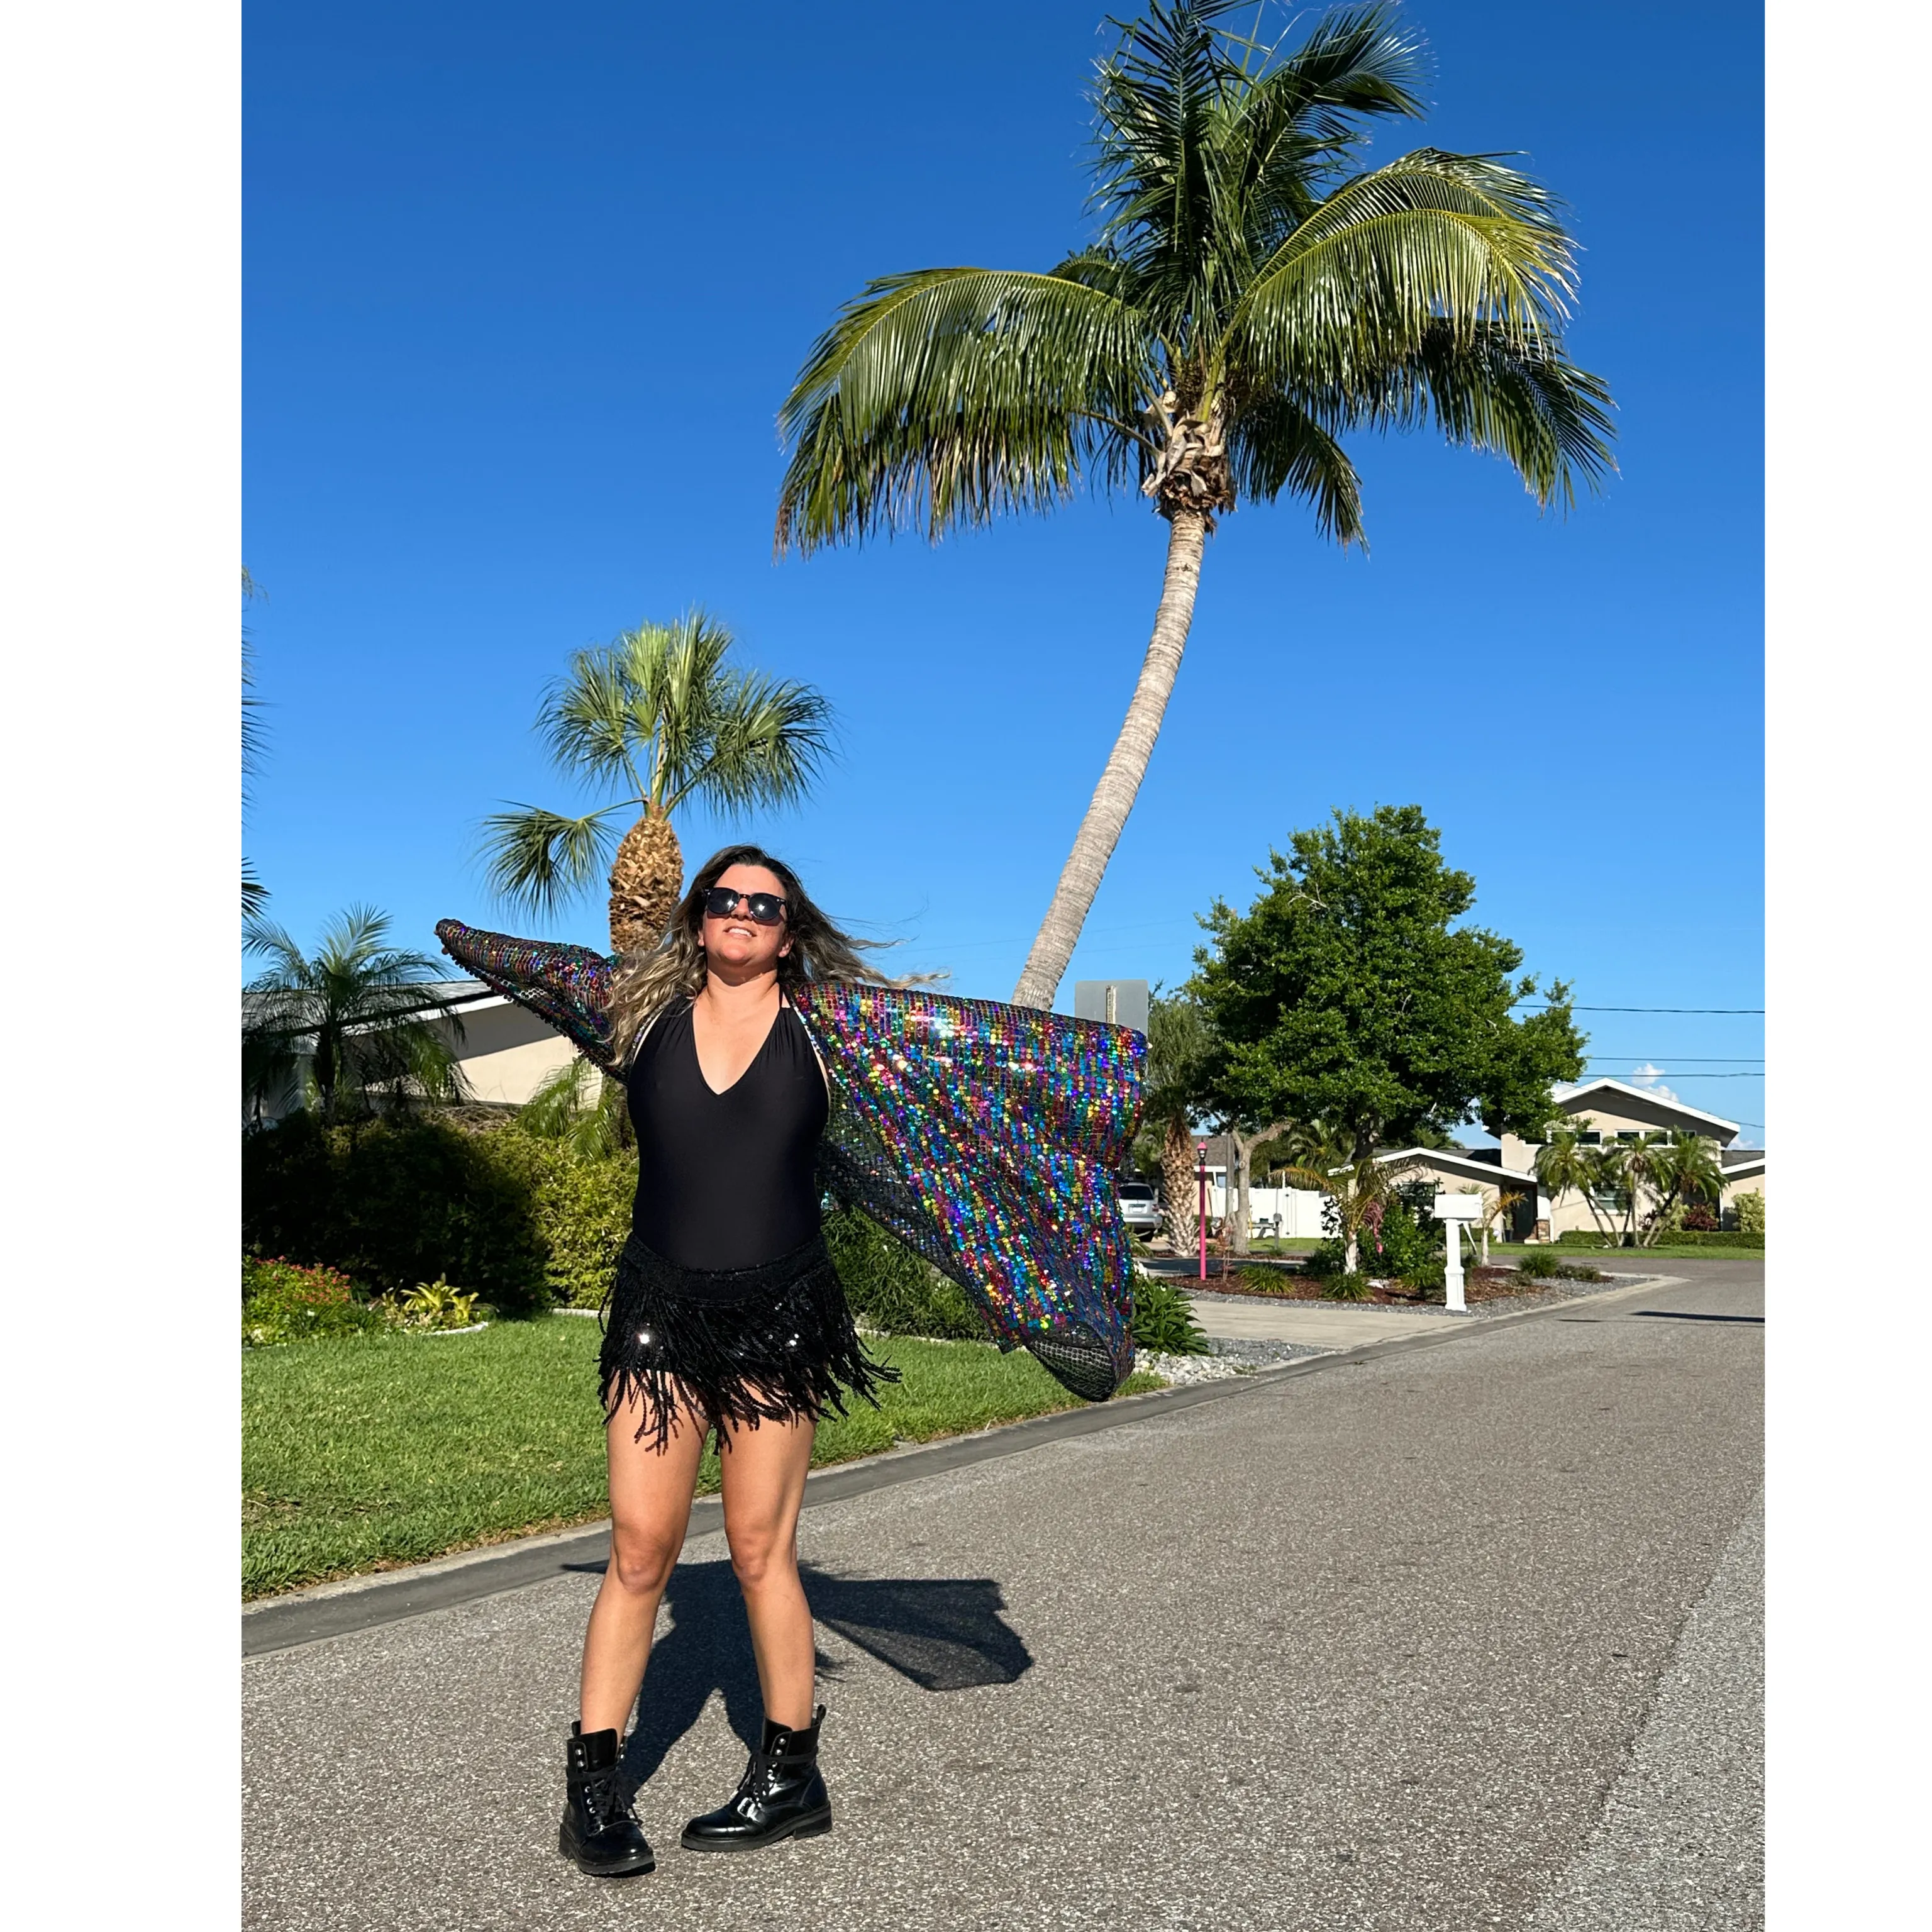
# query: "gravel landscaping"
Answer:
x=1543 y=1295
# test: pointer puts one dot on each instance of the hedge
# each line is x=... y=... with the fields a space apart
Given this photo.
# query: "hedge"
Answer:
x=1685 y=1237
x=517 y=1218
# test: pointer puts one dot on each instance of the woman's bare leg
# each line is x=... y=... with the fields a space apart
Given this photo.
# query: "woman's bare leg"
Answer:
x=650 y=1504
x=764 y=1471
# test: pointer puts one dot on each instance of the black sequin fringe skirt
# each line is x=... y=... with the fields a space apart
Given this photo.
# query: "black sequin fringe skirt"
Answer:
x=770 y=1343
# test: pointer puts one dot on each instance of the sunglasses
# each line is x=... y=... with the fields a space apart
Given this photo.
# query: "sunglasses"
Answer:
x=766 y=908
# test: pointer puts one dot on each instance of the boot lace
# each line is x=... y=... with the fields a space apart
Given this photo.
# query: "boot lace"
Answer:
x=604 y=1802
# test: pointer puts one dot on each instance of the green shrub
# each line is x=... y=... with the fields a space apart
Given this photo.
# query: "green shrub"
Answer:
x=1541 y=1265
x=1164 y=1322
x=893 y=1290
x=290 y=1283
x=1749 y=1210
x=397 y=1203
x=582 y=1210
x=1586 y=1238
x=282 y=1301
x=1324 y=1258
x=1347 y=1288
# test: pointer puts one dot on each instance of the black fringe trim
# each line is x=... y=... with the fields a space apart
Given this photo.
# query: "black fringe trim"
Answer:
x=770 y=1343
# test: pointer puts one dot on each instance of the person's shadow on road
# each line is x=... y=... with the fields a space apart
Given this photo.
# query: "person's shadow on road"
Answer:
x=945 y=1633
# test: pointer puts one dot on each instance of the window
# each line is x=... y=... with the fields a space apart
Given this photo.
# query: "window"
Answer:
x=1589 y=1137
x=1136 y=1190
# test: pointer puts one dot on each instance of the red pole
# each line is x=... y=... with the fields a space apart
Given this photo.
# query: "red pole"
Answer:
x=1204 y=1210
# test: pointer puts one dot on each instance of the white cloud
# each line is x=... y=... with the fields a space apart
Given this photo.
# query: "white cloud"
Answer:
x=1652 y=1077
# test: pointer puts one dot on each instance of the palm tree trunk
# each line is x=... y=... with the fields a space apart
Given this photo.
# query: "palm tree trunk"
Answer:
x=1127 y=766
x=1178 y=1183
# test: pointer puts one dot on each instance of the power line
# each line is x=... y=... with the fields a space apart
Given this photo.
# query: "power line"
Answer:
x=1543 y=1006
x=1688 y=1059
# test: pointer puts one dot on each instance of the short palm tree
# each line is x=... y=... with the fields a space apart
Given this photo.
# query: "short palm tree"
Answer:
x=1253 y=294
x=660 y=716
x=1564 y=1165
x=254 y=894
x=370 y=1018
x=1684 y=1168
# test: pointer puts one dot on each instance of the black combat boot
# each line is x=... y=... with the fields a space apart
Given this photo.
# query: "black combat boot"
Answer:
x=781 y=1795
x=600 y=1832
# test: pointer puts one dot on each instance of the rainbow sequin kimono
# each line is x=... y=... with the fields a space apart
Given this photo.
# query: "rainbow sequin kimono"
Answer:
x=987 y=1137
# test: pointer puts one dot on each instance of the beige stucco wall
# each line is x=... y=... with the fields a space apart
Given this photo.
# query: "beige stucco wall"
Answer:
x=506 y=1053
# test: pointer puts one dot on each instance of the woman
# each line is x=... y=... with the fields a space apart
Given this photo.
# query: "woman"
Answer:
x=986 y=1137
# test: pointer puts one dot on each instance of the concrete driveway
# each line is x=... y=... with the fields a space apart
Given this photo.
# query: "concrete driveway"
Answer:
x=1456 y=1634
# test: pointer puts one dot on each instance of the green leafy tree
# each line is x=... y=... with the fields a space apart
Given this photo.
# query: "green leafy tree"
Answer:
x=659 y=717
x=1348 y=994
x=370 y=1018
x=1253 y=294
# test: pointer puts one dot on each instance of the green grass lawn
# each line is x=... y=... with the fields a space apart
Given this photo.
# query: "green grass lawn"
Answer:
x=360 y=1454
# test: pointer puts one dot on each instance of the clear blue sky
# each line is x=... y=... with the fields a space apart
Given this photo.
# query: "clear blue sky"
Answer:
x=525 y=287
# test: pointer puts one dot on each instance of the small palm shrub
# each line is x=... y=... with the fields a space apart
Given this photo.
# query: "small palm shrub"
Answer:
x=1541 y=1265
x=1164 y=1323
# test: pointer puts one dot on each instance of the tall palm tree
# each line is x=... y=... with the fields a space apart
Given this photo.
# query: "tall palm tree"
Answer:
x=1253 y=293
x=661 y=717
x=370 y=1018
x=254 y=894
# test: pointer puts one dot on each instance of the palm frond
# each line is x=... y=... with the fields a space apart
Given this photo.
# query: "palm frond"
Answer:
x=770 y=741
x=538 y=860
x=1525 y=401
x=684 y=687
x=588 y=719
x=1431 y=241
x=942 y=397
x=1276 y=445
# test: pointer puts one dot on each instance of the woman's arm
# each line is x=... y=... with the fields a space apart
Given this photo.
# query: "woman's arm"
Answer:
x=567 y=987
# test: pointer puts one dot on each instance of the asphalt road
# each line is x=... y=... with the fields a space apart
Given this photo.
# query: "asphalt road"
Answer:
x=1464 y=1636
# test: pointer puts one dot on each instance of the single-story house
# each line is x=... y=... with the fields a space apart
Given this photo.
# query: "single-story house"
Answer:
x=1601 y=1110
x=506 y=1052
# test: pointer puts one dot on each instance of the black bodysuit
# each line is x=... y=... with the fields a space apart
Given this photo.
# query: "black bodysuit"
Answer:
x=726 y=1181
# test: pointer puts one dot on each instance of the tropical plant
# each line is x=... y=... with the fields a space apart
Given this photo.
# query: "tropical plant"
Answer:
x=1164 y=1322
x=1748 y=1209
x=660 y=716
x=435 y=1304
x=577 y=1107
x=1686 y=1173
x=1253 y=293
x=370 y=1019
x=1564 y=1165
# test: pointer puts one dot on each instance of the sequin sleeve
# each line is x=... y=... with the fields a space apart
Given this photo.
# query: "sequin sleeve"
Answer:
x=567 y=987
x=989 y=1138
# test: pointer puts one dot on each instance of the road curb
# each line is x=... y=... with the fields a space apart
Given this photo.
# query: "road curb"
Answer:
x=326 y=1611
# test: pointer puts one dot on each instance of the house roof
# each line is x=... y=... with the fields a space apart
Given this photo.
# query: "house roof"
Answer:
x=1569 y=1099
x=1745 y=1170
x=1462 y=1162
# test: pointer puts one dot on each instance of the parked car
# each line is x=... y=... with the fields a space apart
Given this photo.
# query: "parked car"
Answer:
x=1140 y=1208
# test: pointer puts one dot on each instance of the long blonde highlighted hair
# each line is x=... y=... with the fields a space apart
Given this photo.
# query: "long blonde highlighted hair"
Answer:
x=645 y=983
